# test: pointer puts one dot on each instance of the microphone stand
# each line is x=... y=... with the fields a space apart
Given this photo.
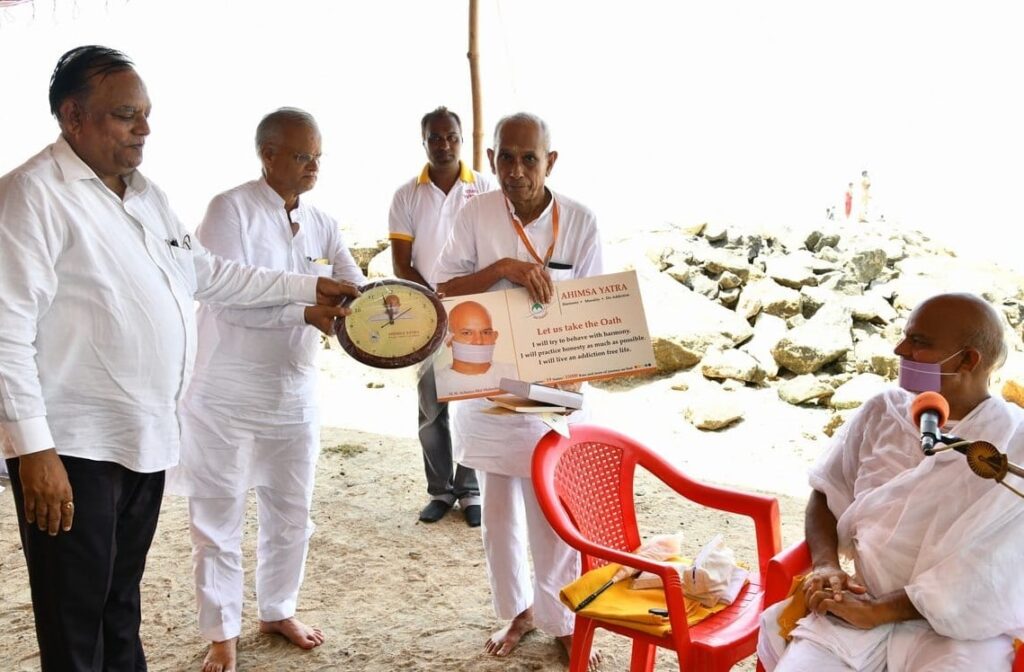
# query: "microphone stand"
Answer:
x=983 y=459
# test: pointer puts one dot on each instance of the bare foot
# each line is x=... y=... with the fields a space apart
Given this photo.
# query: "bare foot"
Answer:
x=503 y=641
x=295 y=631
x=221 y=656
x=595 y=655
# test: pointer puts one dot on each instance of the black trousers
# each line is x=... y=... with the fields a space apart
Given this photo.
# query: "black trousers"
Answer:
x=85 y=583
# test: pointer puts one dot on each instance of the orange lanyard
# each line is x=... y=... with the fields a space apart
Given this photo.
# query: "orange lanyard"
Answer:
x=526 y=240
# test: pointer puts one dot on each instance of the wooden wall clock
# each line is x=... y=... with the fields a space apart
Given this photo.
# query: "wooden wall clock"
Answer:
x=394 y=323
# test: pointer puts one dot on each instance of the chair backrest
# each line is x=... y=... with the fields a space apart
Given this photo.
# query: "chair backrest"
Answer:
x=594 y=483
x=584 y=485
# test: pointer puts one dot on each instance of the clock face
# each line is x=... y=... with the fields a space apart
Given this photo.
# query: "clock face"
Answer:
x=394 y=323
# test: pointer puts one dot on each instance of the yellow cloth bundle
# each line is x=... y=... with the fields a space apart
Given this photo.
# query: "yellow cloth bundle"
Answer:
x=795 y=610
x=626 y=607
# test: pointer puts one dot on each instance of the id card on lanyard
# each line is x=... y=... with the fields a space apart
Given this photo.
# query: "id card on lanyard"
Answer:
x=526 y=239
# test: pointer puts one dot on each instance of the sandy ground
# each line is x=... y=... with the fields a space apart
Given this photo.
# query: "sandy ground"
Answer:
x=394 y=594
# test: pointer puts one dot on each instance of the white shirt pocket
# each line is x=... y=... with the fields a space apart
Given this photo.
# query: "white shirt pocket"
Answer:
x=185 y=267
x=560 y=274
x=319 y=267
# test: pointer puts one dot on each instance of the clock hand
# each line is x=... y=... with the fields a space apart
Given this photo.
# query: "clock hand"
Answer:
x=392 y=320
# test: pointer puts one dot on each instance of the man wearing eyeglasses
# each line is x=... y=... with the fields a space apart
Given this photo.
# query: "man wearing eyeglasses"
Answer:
x=250 y=415
x=98 y=280
x=422 y=213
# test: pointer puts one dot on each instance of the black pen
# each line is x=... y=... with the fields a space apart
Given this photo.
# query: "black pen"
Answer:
x=593 y=596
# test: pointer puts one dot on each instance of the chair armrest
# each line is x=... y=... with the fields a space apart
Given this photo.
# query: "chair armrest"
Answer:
x=788 y=564
x=762 y=509
x=666 y=570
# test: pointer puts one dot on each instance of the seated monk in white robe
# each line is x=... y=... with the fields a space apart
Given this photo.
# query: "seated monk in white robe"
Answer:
x=937 y=551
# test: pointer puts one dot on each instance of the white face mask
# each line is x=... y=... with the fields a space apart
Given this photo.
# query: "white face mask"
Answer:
x=472 y=354
x=923 y=376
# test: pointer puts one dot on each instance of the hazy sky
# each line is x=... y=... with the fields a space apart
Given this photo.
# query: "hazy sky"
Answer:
x=752 y=112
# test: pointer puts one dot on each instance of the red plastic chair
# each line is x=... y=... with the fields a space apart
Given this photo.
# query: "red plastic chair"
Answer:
x=796 y=560
x=584 y=485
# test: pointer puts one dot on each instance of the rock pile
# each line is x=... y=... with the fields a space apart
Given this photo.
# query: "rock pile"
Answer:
x=813 y=315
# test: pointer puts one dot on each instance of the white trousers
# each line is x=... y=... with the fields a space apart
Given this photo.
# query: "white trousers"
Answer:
x=911 y=646
x=512 y=522
x=282 y=540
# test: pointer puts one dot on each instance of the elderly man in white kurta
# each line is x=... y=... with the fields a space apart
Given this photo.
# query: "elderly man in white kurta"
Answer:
x=524 y=235
x=250 y=415
x=936 y=549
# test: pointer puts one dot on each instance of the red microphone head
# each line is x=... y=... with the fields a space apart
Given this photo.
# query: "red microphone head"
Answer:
x=930 y=401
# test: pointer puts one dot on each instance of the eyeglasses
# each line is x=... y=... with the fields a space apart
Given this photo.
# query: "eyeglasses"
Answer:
x=306 y=159
x=451 y=138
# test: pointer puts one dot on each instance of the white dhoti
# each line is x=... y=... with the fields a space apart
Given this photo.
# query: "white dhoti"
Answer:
x=510 y=518
x=924 y=525
x=221 y=460
x=500 y=448
x=823 y=644
x=282 y=541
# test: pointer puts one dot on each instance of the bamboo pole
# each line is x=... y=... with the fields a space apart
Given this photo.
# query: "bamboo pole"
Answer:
x=474 y=82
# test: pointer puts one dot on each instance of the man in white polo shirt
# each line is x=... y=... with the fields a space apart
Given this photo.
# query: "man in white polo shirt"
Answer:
x=422 y=213
x=524 y=235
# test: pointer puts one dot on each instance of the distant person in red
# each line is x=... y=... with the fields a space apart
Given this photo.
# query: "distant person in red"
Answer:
x=848 y=201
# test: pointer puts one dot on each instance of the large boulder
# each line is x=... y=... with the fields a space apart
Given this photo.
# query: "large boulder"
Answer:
x=380 y=265
x=1013 y=392
x=857 y=390
x=685 y=325
x=866 y=265
x=871 y=308
x=364 y=253
x=821 y=340
x=768 y=331
x=805 y=389
x=732 y=364
x=875 y=354
x=768 y=296
x=719 y=260
x=714 y=411
x=792 y=270
x=715 y=232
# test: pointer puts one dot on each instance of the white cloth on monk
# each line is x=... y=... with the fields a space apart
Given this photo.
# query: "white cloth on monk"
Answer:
x=924 y=524
x=281 y=545
x=511 y=514
x=911 y=647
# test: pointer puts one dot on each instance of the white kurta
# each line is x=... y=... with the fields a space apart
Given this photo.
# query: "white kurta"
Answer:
x=256 y=369
x=97 y=302
x=924 y=524
x=500 y=446
x=482 y=235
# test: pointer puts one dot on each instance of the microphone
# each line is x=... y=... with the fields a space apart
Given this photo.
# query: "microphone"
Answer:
x=930 y=411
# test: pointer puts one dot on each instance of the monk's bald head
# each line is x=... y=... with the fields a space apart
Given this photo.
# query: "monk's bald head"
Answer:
x=469 y=322
x=971 y=322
